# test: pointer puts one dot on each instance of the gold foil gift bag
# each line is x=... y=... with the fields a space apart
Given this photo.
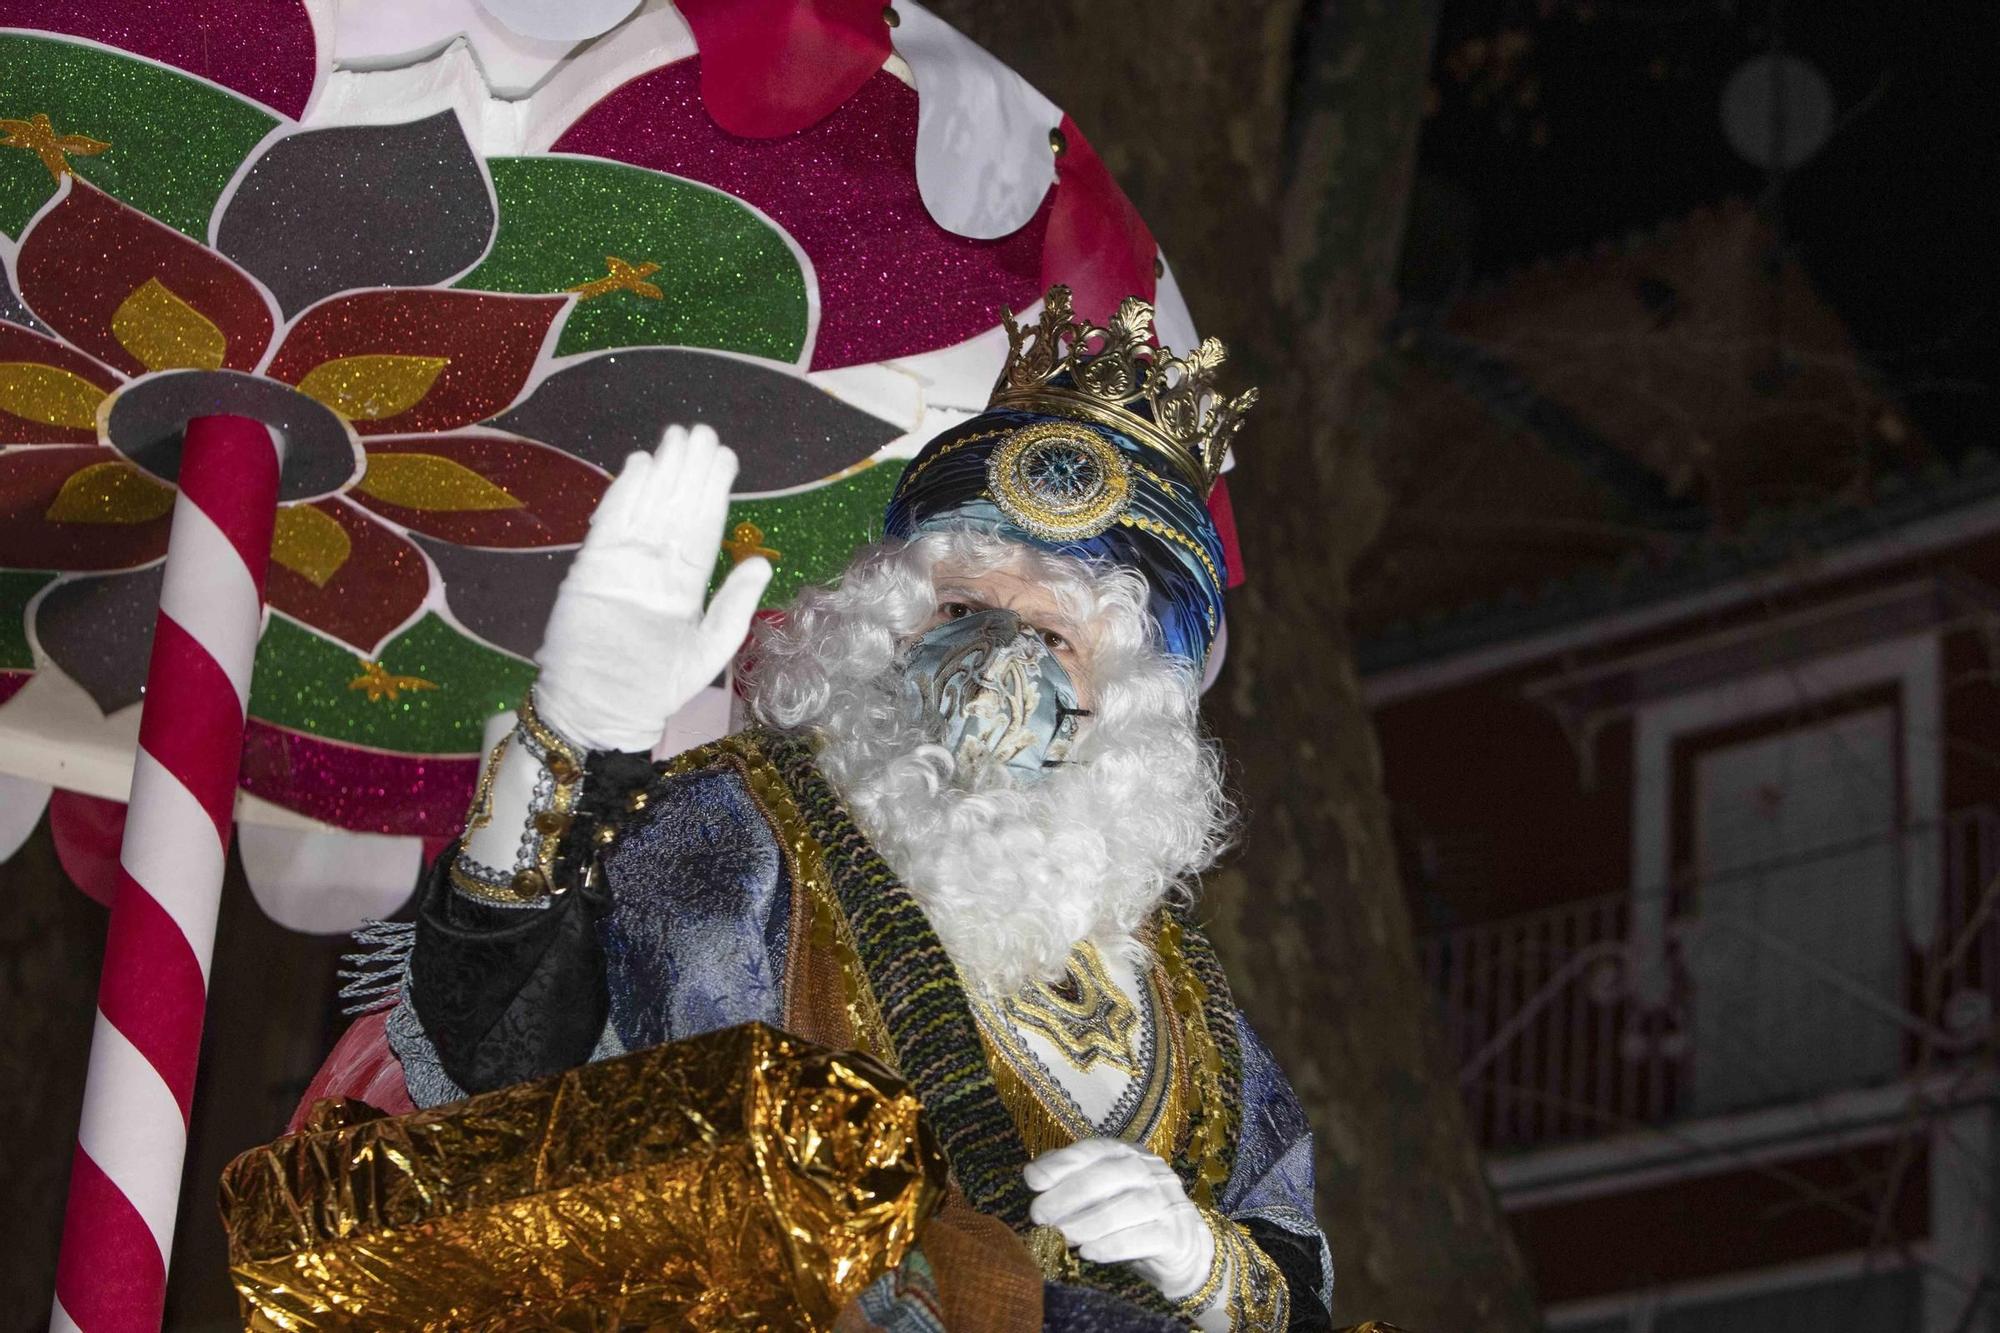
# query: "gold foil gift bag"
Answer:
x=742 y=1179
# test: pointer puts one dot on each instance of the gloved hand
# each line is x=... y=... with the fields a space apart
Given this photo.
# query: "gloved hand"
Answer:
x=1119 y=1204
x=627 y=643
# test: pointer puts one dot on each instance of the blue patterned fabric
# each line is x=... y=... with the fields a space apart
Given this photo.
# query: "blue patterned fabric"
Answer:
x=1273 y=1175
x=701 y=906
x=1072 y=1309
x=1164 y=532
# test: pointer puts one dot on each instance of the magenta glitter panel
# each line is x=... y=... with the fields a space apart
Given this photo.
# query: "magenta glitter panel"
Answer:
x=891 y=281
x=370 y=791
x=203 y=37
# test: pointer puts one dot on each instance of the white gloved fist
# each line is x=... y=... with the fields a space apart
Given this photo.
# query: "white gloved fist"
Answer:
x=627 y=643
x=1117 y=1204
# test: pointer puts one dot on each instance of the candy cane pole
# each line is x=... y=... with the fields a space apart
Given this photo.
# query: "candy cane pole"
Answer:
x=125 y=1176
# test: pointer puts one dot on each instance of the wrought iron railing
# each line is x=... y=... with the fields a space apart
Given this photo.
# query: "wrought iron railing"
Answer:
x=1553 y=1042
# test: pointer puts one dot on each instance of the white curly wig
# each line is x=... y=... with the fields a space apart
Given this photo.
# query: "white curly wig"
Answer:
x=1012 y=876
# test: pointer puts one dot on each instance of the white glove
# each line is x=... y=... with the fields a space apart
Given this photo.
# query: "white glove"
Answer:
x=627 y=644
x=1119 y=1204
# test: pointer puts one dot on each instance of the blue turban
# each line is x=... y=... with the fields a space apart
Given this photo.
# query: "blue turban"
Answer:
x=1081 y=487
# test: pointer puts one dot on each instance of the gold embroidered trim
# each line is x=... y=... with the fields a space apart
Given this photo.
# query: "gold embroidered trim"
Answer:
x=917 y=469
x=1181 y=539
x=565 y=766
x=1096 y=1026
x=1046 y=1115
x=482 y=799
x=1209 y=1147
x=1016 y=476
x=1198 y=1300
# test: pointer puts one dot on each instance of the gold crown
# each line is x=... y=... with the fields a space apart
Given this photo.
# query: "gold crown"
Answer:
x=1119 y=377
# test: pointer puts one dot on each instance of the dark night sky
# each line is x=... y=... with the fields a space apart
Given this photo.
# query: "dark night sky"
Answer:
x=1560 y=123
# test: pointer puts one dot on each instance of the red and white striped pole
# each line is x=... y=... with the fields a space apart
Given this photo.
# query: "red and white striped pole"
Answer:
x=125 y=1176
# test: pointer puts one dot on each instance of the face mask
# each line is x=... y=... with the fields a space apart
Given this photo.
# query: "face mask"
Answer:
x=993 y=693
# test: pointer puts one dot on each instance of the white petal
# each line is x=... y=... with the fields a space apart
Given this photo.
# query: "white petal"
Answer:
x=326 y=881
x=1172 y=320
x=983 y=159
x=380 y=35
x=960 y=378
x=1174 y=324
x=451 y=81
x=21 y=803
x=561 y=20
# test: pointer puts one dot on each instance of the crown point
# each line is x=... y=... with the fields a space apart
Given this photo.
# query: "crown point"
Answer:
x=1121 y=377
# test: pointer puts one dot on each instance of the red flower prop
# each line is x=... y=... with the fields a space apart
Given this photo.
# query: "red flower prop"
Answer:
x=161 y=318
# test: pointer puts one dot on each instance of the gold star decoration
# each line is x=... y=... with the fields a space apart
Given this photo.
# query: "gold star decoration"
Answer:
x=620 y=276
x=36 y=135
x=746 y=540
x=380 y=684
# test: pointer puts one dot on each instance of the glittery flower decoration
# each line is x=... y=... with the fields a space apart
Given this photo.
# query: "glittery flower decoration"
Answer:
x=455 y=366
x=779 y=235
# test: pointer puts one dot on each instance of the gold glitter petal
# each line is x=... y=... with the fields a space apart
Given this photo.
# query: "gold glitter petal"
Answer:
x=48 y=394
x=111 y=492
x=433 y=482
x=166 y=333
x=310 y=544
x=373 y=385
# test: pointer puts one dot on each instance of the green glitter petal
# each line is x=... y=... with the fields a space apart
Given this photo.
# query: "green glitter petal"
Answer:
x=175 y=141
x=17 y=587
x=301 y=681
x=727 y=279
x=816 y=532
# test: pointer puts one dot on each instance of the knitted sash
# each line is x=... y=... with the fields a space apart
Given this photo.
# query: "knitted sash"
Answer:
x=924 y=1007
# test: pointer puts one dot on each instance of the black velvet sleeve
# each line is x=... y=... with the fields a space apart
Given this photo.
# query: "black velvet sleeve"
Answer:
x=1297 y=1257
x=507 y=994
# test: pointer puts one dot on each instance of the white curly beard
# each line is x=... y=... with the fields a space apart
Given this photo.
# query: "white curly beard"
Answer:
x=1012 y=876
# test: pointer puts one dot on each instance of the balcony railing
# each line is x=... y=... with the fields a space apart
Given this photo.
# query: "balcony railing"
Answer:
x=1545 y=1020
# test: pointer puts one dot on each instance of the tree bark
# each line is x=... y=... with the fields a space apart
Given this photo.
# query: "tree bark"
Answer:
x=1270 y=147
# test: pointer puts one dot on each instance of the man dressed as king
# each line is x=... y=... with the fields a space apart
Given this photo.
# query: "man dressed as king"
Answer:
x=962 y=833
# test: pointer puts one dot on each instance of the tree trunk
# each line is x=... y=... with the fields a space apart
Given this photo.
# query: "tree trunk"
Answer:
x=1270 y=148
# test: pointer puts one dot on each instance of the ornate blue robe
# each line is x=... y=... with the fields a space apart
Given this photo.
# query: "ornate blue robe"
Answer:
x=692 y=888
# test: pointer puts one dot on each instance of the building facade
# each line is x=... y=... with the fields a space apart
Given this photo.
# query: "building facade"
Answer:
x=1705 y=882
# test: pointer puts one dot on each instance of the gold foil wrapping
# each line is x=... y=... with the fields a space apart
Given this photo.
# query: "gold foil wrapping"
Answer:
x=743 y=1179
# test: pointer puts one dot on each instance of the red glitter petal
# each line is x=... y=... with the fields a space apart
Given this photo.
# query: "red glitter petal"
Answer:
x=891 y=281
x=30 y=480
x=490 y=343
x=380 y=585
x=88 y=831
x=772 y=67
x=19 y=344
x=557 y=491
x=1097 y=242
x=85 y=257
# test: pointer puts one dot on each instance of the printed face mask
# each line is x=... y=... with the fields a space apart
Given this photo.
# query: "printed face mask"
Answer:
x=993 y=693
